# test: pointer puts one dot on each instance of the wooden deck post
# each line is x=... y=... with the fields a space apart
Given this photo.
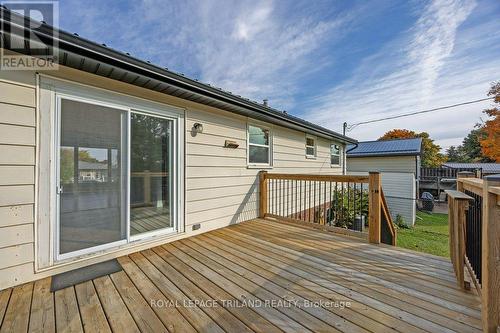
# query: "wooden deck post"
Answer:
x=490 y=283
x=463 y=174
x=457 y=205
x=262 y=194
x=147 y=187
x=374 y=207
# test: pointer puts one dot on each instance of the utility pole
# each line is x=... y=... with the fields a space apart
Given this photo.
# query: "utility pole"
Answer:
x=344 y=158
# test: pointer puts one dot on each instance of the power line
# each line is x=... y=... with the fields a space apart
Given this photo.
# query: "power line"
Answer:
x=352 y=126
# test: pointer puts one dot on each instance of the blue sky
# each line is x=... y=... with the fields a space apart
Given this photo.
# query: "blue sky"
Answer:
x=325 y=61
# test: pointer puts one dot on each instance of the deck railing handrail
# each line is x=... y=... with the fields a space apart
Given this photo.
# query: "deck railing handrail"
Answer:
x=340 y=203
x=443 y=172
x=386 y=216
x=474 y=222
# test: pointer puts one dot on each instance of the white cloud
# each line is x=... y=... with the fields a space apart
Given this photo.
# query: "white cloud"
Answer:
x=250 y=24
x=434 y=39
x=257 y=49
x=435 y=63
x=265 y=49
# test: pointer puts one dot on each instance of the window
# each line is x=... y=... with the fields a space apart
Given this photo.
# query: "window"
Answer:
x=259 y=145
x=335 y=155
x=310 y=147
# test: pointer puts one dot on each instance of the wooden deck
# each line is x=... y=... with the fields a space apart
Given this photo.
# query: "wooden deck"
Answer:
x=145 y=219
x=278 y=268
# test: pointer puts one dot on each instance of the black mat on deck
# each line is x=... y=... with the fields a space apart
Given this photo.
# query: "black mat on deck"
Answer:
x=63 y=280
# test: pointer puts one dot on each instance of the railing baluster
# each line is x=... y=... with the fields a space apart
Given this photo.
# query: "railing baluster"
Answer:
x=330 y=206
x=324 y=206
x=296 y=200
x=319 y=203
x=310 y=198
x=288 y=198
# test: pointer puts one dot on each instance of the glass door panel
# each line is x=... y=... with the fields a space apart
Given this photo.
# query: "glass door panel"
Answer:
x=92 y=176
x=150 y=177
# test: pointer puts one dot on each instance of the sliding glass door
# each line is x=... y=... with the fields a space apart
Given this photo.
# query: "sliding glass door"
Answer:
x=115 y=176
x=151 y=181
x=92 y=176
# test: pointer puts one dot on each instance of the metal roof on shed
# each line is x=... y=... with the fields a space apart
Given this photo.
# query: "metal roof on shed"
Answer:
x=486 y=167
x=399 y=147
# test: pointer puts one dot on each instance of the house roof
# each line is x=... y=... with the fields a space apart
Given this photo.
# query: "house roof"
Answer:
x=82 y=54
x=84 y=165
x=486 y=167
x=399 y=147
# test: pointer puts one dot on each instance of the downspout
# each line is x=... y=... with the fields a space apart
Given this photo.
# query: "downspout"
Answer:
x=344 y=169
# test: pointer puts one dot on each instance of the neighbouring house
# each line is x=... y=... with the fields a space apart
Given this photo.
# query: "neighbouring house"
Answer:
x=399 y=163
x=484 y=168
x=109 y=155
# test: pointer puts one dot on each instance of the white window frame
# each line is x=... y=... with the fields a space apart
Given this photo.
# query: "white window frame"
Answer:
x=315 y=147
x=63 y=89
x=268 y=165
x=339 y=155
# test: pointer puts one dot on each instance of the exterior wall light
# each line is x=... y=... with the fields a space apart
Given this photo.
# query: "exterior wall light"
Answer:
x=198 y=128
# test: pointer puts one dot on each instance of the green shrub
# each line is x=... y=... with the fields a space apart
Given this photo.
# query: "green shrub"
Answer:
x=400 y=222
x=346 y=205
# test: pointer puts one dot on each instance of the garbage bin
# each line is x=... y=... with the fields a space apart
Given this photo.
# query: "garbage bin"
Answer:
x=427 y=202
x=359 y=223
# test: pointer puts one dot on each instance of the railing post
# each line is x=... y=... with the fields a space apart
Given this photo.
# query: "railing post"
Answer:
x=463 y=174
x=262 y=194
x=490 y=284
x=459 y=208
x=374 y=209
x=147 y=187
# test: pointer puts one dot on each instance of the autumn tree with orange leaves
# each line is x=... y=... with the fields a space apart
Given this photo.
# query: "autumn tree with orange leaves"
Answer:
x=431 y=156
x=490 y=140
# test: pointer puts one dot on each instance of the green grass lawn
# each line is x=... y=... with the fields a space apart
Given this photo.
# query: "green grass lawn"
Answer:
x=430 y=235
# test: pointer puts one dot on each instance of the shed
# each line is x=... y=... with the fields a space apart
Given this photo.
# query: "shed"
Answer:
x=485 y=168
x=399 y=162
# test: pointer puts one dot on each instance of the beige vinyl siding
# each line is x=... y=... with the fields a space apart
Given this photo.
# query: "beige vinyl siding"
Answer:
x=399 y=189
x=16 y=155
x=17 y=179
x=220 y=189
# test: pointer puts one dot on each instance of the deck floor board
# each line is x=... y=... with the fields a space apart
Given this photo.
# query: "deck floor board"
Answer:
x=295 y=277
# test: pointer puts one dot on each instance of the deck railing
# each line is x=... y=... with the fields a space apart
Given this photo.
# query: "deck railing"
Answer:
x=474 y=225
x=426 y=172
x=352 y=205
x=145 y=179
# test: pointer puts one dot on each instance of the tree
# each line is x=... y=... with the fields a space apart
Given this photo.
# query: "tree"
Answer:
x=454 y=154
x=471 y=147
x=431 y=156
x=490 y=142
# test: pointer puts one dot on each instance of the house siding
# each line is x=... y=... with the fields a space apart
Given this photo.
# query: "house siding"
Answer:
x=219 y=187
x=17 y=180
